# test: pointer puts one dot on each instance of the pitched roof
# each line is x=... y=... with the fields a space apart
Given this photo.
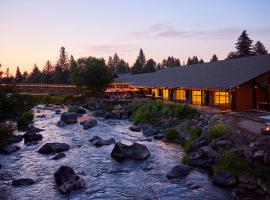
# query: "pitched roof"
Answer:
x=225 y=74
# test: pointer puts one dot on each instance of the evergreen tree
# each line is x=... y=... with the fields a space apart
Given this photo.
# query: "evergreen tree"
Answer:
x=244 y=45
x=259 y=49
x=47 y=72
x=35 y=76
x=18 y=77
x=214 y=58
x=122 y=67
x=63 y=59
x=194 y=60
x=150 y=66
x=73 y=69
x=7 y=73
x=201 y=61
x=141 y=58
x=139 y=64
x=25 y=77
x=116 y=61
x=110 y=64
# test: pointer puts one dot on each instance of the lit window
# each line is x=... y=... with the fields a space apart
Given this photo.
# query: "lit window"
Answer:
x=221 y=98
x=196 y=97
x=155 y=92
x=180 y=95
x=165 y=94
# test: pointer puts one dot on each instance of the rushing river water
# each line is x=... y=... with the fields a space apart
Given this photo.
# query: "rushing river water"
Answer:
x=105 y=178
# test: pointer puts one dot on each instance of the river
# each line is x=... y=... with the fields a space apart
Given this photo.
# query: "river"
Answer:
x=105 y=178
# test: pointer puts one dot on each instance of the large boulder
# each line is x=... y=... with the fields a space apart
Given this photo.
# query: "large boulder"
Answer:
x=224 y=178
x=247 y=181
x=150 y=131
x=32 y=137
x=89 y=123
x=178 y=171
x=135 y=151
x=15 y=139
x=241 y=194
x=67 y=180
x=69 y=117
x=49 y=148
x=23 y=181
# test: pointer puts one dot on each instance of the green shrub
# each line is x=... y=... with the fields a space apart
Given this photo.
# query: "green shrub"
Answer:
x=158 y=109
x=185 y=159
x=193 y=134
x=232 y=162
x=25 y=120
x=171 y=133
x=217 y=131
x=5 y=132
x=108 y=108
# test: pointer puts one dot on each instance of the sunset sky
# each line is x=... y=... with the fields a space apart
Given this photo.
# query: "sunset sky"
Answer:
x=32 y=31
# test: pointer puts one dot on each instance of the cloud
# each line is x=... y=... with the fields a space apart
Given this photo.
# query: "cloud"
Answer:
x=167 y=31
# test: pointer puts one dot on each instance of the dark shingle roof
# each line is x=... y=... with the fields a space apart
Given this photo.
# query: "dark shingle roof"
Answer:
x=225 y=74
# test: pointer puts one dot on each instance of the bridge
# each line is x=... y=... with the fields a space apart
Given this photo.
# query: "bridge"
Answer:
x=36 y=88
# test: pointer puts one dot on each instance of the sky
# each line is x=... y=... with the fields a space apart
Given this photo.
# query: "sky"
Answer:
x=32 y=31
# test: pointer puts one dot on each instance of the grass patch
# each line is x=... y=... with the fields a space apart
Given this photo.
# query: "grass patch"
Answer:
x=25 y=120
x=217 y=131
x=171 y=133
x=193 y=134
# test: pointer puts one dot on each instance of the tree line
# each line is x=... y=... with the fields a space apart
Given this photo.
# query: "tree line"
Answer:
x=67 y=70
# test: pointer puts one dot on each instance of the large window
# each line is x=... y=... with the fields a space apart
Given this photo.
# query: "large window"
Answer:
x=155 y=92
x=221 y=98
x=165 y=94
x=180 y=95
x=196 y=97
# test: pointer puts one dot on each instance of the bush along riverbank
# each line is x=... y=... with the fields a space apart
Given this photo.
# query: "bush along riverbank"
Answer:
x=236 y=159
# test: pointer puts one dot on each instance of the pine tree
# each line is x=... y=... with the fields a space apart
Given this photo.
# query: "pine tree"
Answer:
x=110 y=63
x=25 y=76
x=214 y=58
x=47 y=72
x=18 y=77
x=201 y=61
x=116 y=61
x=259 y=49
x=63 y=59
x=139 y=64
x=244 y=45
x=73 y=69
x=36 y=75
x=7 y=73
x=150 y=66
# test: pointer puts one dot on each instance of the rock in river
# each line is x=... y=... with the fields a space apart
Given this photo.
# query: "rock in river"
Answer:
x=224 y=178
x=68 y=180
x=49 y=148
x=89 y=123
x=33 y=130
x=179 y=171
x=23 y=181
x=32 y=137
x=69 y=117
x=135 y=151
x=9 y=149
x=135 y=128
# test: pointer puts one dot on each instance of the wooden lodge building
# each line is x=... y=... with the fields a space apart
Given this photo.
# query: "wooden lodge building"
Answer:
x=237 y=84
